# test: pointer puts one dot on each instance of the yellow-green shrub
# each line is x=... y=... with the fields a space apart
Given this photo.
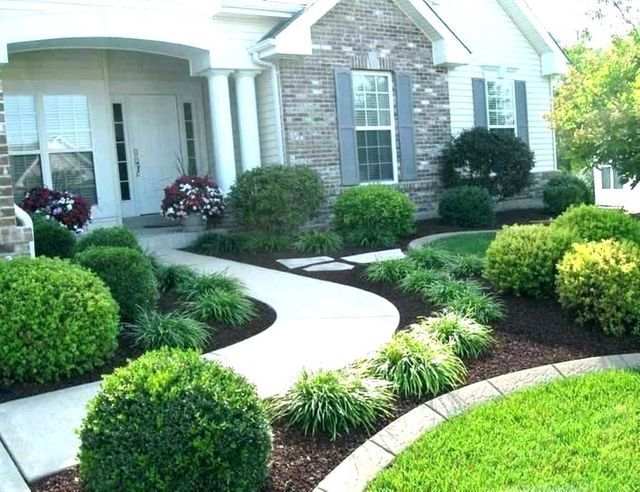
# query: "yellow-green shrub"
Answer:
x=591 y=223
x=522 y=259
x=599 y=282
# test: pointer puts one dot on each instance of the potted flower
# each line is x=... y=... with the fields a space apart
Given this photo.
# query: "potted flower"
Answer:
x=194 y=200
x=71 y=211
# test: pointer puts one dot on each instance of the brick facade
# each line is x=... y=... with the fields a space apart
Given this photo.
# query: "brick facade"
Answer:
x=370 y=35
x=14 y=240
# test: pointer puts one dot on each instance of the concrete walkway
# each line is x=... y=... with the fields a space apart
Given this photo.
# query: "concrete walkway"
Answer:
x=319 y=325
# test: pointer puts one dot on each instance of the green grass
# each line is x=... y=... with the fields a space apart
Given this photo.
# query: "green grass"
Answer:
x=466 y=244
x=579 y=434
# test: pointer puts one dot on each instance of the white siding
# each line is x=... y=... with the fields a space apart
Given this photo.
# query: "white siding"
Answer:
x=495 y=41
x=267 y=119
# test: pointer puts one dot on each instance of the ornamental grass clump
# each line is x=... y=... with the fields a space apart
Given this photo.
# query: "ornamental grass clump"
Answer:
x=152 y=330
x=430 y=258
x=334 y=403
x=417 y=368
x=214 y=244
x=466 y=266
x=388 y=271
x=172 y=421
x=172 y=277
x=466 y=337
x=599 y=283
x=198 y=285
x=229 y=307
x=318 y=243
x=466 y=298
x=417 y=281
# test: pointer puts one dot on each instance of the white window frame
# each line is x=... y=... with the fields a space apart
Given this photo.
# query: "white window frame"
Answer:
x=614 y=179
x=391 y=126
x=513 y=127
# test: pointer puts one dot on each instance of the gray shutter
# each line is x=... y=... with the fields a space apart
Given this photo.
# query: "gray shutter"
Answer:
x=404 y=97
x=522 y=112
x=346 y=127
x=480 y=103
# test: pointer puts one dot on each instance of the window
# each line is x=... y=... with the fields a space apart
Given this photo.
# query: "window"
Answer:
x=121 y=152
x=501 y=106
x=610 y=179
x=375 y=130
x=192 y=166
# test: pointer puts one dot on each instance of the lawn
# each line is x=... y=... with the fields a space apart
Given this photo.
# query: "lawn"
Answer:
x=575 y=434
x=467 y=244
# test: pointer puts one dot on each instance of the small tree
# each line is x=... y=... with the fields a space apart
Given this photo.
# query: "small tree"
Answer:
x=499 y=162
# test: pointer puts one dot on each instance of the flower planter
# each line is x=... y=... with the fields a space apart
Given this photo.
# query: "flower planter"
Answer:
x=193 y=223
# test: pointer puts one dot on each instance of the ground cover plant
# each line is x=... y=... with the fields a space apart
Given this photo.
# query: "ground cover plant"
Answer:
x=563 y=436
x=318 y=243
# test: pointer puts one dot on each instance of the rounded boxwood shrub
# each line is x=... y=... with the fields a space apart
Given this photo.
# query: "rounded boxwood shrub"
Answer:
x=522 y=259
x=599 y=282
x=498 y=162
x=129 y=275
x=591 y=223
x=374 y=215
x=563 y=191
x=467 y=206
x=119 y=237
x=52 y=239
x=171 y=421
x=56 y=320
x=277 y=199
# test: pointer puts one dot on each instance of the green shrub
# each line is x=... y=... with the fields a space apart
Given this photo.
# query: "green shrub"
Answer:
x=52 y=239
x=198 y=285
x=466 y=337
x=171 y=421
x=374 y=215
x=430 y=258
x=277 y=199
x=214 y=244
x=56 y=320
x=465 y=298
x=128 y=274
x=388 y=271
x=591 y=223
x=563 y=191
x=467 y=206
x=152 y=330
x=222 y=306
x=495 y=161
x=116 y=237
x=318 y=243
x=172 y=277
x=467 y=266
x=417 y=368
x=417 y=281
x=599 y=282
x=522 y=259
x=267 y=243
x=334 y=403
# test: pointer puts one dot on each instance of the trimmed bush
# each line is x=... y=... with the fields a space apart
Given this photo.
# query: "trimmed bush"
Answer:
x=466 y=337
x=52 y=239
x=172 y=277
x=591 y=223
x=152 y=330
x=56 y=320
x=214 y=244
x=374 y=215
x=563 y=191
x=417 y=368
x=129 y=275
x=498 y=162
x=277 y=199
x=318 y=243
x=388 y=271
x=599 y=282
x=522 y=259
x=222 y=306
x=334 y=403
x=467 y=206
x=117 y=237
x=171 y=421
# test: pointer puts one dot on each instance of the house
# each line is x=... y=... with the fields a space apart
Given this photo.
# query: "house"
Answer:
x=612 y=191
x=108 y=98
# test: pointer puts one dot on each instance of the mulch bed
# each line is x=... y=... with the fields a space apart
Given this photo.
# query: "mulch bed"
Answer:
x=533 y=333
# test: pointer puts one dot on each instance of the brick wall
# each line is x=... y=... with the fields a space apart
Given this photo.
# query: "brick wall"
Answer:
x=364 y=34
x=14 y=240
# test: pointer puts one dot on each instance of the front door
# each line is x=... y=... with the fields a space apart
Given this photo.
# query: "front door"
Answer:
x=155 y=147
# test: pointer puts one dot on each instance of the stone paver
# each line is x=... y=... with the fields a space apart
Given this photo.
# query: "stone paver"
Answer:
x=509 y=383
x=10 y=478
x=586 y=366
x=366 y=258
x=334 y=266
x=293 y=263
x=458 y=401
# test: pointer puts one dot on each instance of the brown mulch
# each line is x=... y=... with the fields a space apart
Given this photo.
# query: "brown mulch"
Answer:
x=533 y=333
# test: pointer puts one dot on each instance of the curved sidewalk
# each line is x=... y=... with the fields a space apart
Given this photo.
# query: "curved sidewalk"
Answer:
x=319 y=325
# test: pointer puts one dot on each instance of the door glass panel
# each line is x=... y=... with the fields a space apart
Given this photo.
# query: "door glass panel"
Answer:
x=191 y=140
x=121 y=151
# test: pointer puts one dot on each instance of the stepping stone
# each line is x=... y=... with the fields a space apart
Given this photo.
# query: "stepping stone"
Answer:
x=366 y=258
x=293 y=263
x=334 y=266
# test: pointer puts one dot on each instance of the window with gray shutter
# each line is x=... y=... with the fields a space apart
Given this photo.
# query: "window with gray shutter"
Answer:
x=479 y=103
x=522 y=110
x=346 y=127
x=404 y=94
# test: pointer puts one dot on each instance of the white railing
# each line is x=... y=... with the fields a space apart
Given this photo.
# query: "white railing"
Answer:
x=26 y=221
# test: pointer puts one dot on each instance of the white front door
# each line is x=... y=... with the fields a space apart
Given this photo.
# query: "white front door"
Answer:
x=155 y=147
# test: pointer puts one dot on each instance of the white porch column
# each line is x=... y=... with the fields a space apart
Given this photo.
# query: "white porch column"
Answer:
x=248 y=118
x=222 y=128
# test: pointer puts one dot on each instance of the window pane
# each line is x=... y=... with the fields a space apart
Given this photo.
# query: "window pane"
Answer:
x=606 y=178
x=26 y=173
x=73 y=172
x=21 y=123
x=383 y=84
x=504 y=131
x=361 y=118
x=369 y=83
x=383 y=101
x=67 y=122
x=375 y=155
x=385 y=118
